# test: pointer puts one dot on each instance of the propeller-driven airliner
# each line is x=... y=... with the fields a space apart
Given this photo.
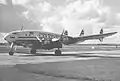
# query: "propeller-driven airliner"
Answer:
x=36 y=39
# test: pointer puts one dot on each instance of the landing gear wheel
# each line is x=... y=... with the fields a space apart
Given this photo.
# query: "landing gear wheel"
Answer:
x=11 y=53
x=57 y=52
x=33 y=51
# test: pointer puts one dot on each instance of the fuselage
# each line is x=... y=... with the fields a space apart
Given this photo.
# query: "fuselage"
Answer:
x=35 y=39
x=29 y=36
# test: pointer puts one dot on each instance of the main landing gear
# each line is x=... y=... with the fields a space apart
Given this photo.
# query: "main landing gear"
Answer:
x=33 y=51
x=58 y=52
x=12 y=49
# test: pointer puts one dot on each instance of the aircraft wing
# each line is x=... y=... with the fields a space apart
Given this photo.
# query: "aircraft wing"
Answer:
x=90 y=37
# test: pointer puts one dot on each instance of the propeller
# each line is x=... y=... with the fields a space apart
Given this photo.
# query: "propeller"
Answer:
x=61 y=36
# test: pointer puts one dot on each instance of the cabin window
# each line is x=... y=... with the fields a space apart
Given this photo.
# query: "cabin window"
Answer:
x=49 y=36
x=25 y=34
x=40 y=35
x=31 y=33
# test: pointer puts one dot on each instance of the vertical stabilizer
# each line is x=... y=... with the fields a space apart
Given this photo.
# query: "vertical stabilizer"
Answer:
x=101 y=32
x=65 y=32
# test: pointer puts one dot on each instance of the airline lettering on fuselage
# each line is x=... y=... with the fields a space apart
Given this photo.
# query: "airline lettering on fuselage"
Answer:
x=42 y=35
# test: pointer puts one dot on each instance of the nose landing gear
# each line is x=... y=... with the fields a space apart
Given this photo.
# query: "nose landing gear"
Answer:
x=12 y=49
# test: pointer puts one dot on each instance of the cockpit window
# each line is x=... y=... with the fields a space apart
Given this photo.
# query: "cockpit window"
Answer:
x=12 y=37
x=14 y=33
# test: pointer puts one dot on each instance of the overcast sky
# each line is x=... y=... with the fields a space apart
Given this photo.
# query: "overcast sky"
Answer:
x=56 y=15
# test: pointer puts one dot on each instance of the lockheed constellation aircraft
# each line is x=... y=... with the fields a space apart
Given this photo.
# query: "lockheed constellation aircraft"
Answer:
x=36 y=39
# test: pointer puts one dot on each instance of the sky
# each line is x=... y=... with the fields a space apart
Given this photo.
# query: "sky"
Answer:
x=56 y=15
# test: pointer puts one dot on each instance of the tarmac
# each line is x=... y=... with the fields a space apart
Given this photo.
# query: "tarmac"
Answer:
x=77 y=63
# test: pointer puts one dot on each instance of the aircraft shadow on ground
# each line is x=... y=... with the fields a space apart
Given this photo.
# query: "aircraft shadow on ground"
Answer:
x=26 y=53
x=83 y=55
x=50 y=54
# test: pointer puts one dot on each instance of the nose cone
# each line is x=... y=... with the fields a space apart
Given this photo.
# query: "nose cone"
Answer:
x=9 y=37
x=4 y=37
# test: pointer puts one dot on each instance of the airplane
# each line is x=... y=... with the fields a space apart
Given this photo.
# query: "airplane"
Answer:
x=36 y=39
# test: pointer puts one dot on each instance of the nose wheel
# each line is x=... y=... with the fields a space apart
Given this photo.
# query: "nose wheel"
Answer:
x=57 y=52
x=12 y=49
x=11 y=53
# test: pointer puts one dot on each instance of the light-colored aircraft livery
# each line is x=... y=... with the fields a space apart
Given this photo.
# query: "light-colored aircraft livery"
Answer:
x=46 y=40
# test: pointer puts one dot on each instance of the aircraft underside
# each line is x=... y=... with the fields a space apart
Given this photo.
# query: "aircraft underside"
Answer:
x=37 y=45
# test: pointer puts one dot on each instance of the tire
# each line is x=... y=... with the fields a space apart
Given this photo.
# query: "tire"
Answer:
x=11 y=53
x=33 y=51
x=57 y=52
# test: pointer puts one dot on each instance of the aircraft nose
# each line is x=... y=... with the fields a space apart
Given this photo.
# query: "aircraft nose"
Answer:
x=4 y=38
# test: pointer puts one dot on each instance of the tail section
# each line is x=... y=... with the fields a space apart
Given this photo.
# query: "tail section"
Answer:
x=82 y=33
